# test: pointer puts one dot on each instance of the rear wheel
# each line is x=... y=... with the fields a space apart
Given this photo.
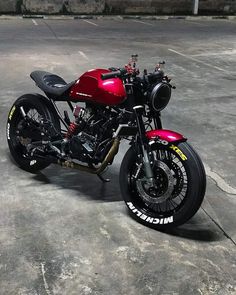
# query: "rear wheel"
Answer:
x=21 y=133
x=177 y=191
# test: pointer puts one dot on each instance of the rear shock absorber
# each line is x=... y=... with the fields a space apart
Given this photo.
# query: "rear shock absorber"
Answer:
x=73 y=129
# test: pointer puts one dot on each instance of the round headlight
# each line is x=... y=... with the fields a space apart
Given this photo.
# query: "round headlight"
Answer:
x=160 y=96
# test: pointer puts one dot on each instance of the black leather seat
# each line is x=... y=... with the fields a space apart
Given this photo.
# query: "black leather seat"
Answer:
x=53 y=86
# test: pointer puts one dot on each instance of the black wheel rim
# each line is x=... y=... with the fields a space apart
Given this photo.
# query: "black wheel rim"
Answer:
x=18 y=142
x=157 y=205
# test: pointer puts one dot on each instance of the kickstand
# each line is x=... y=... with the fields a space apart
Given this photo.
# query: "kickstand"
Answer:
x=103 y=179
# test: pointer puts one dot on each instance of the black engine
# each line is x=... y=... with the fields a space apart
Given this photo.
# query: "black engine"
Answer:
x=92 y=134
x=82 y=143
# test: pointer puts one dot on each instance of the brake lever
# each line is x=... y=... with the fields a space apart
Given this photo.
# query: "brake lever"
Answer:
x=113 y=69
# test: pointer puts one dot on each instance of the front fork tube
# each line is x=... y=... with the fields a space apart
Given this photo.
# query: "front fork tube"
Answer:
x=138 y=110
x=157 y=121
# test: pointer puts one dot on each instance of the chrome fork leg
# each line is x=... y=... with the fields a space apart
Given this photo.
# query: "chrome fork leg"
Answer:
x=138 y=110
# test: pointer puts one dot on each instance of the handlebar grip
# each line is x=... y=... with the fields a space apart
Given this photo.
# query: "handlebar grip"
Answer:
x=111 y=75
x=114 y=74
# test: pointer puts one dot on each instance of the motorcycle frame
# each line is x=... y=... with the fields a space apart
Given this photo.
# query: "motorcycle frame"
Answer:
x=157 y=136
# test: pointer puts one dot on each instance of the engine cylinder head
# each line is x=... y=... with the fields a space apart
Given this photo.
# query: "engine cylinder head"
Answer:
x=79 y=112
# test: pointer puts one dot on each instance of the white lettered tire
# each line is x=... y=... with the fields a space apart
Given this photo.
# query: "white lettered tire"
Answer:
x=178 y=193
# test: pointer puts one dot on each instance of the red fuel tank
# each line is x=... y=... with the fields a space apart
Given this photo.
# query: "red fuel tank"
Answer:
x=91 y=88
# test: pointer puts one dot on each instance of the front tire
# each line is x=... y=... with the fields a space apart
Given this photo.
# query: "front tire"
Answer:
x=35 y=108
x=178 y=191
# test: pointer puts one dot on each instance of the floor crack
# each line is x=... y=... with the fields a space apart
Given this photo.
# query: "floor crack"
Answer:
x=220 y=182
x=51 y=30
x=220 y=227
x=44 y=280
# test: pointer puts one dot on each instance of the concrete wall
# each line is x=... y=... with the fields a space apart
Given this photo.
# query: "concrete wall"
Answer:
x=149 y=6
x=8 y=5
x=60 y=6
x=116 y=6
x=219 y=6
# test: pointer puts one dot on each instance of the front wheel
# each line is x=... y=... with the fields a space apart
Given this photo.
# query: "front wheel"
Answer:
x=176 y=192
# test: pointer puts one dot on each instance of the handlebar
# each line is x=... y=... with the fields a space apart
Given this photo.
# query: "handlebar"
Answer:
x=115 y=74
x=150 y=78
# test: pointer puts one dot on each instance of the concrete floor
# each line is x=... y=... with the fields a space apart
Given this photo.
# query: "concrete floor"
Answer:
x=64 y=232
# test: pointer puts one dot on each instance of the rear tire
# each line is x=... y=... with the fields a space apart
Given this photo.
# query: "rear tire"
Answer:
x=179 y=191
x=35 y=105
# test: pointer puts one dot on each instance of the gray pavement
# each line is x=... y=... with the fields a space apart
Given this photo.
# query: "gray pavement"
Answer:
x=64 y=232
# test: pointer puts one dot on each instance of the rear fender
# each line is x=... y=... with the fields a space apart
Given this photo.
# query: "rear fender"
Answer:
x=164 y=137
x=44 y=100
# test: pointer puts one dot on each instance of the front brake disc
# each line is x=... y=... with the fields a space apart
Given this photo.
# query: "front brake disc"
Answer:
x=162 y=188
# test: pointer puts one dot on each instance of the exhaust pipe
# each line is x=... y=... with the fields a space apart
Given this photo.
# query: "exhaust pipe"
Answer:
x=108 y=159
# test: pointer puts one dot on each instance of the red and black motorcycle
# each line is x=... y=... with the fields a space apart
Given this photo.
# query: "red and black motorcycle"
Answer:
x=162 y=179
